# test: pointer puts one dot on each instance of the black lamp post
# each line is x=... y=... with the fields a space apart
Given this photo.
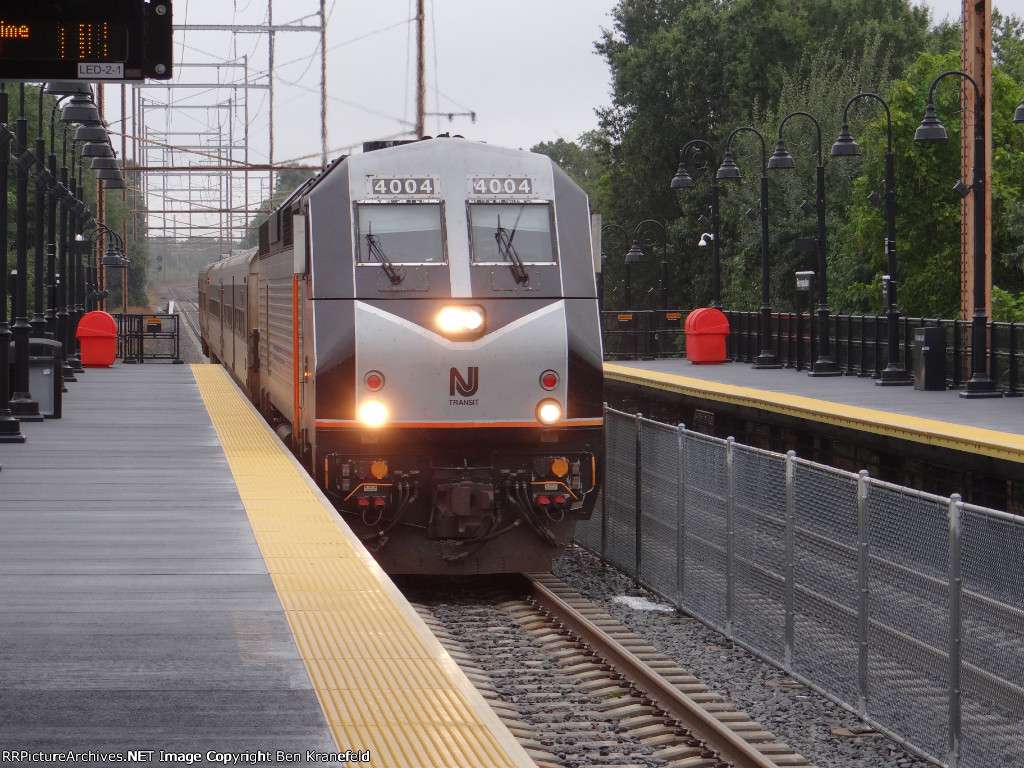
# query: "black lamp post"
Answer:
x=894 y=373
x=781 y=159
x=932 y=130
x=729 y=171
x=57 y=191
x=22 y=404
x=683 y=181
x=10 y=428
x=606 y=228
x=633 y=256
x=663 y=273
x=38 y=321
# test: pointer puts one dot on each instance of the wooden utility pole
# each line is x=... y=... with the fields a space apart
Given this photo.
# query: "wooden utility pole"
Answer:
x=977 y=62
x=421 y=71
x=269 y=79
x=323 y=85
x=101 y=215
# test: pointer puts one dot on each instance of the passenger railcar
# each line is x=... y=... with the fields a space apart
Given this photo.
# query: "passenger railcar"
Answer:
x=420 y=322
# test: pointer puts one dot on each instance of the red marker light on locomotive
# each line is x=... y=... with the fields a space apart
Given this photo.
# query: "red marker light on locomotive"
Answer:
x=374 y=381
x=549 y=380
x=543 y=501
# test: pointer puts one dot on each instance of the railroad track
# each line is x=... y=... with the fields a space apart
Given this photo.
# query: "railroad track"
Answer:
x=188 y=309
x=578 y=688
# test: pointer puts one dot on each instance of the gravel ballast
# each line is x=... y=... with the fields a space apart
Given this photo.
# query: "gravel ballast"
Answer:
x=804 y=719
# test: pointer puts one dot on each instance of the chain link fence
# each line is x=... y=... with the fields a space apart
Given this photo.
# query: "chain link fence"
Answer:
x=904 y=607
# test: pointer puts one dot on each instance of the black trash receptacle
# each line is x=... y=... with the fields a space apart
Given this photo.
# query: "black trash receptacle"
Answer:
x=46 y=375
x=930 y=359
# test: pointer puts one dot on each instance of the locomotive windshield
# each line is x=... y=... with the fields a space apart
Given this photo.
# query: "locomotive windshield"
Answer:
x=501 y=232
x=409 y=233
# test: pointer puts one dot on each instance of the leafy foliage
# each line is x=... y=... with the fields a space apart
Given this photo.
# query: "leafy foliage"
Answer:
x=697 y=68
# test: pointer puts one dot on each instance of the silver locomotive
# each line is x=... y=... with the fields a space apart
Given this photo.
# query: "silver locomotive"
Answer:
x=420 y=323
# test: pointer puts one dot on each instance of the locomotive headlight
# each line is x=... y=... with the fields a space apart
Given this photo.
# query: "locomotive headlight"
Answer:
x=548 y=411
x=460 y=320
x=373 y=413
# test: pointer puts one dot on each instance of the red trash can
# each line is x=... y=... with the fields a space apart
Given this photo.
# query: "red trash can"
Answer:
x=97 y=339
x=706 y=331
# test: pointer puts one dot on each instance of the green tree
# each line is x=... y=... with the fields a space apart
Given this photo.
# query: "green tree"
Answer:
x=929 y=211
x=696 y=68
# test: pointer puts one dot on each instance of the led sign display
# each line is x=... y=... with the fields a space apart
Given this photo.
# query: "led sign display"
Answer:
x=86 y=40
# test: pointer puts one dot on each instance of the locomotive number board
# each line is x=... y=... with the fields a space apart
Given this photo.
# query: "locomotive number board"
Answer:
x=411 y=186
x=501 y=185
x=85 y=39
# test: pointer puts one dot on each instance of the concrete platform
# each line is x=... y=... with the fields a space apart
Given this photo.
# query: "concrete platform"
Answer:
x=990 y=427
x=137 y=610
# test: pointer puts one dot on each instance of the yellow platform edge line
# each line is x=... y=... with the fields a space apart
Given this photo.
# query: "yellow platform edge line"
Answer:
x=946 y=434
x=487 y=741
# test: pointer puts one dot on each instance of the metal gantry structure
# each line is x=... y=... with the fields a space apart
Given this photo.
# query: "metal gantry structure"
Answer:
x=200 y=181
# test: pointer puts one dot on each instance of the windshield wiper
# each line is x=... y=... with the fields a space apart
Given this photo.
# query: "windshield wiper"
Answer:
x=508 y=251
x=373 y=244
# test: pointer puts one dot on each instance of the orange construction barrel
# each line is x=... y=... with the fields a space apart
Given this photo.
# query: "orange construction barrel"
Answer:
x=97 y=339
x=706 y=331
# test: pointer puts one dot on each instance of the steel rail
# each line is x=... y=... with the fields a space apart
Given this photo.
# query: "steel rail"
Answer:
x=688 y=713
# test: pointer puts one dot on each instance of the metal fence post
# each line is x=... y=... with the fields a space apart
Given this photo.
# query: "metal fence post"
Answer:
x=604 y=498
x=790 y=561
x=730 y=503
x=639 y=496
x=680 y=513
x=862 y=592
x=955 y=587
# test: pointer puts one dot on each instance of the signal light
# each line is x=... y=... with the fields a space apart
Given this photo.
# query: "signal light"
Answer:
x=543 y=501
x=378 y=501
x=560 y=466
x=460 y=320
x=362 y=501
x=548 y=411
x=374 y=381
x=549 y=380
x=559 y=500
x=373 y=413
x=379 y=469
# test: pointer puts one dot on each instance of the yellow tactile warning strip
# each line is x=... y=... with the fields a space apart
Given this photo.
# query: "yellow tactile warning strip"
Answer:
x=960 y=437
x=383 y=680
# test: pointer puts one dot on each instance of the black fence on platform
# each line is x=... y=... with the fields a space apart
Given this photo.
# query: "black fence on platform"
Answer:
x=146 y=337
x=859 y=342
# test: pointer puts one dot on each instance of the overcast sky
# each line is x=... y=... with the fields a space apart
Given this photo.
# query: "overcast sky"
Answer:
x=527 y=68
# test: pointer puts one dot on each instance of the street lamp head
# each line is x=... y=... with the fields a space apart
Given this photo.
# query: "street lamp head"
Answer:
x=728 y=171
x=781 y=160
x=81 y=110
x=682 y=179
x=931 y=128
x=104 y=162
x=845 y=145
x=1018 y=114
x=635 y=254
x=113 y=258
x=97 y=149
x=108 y=174
x=87 y=133
x=705 y=240
x=114 y=184
x=67 y=88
